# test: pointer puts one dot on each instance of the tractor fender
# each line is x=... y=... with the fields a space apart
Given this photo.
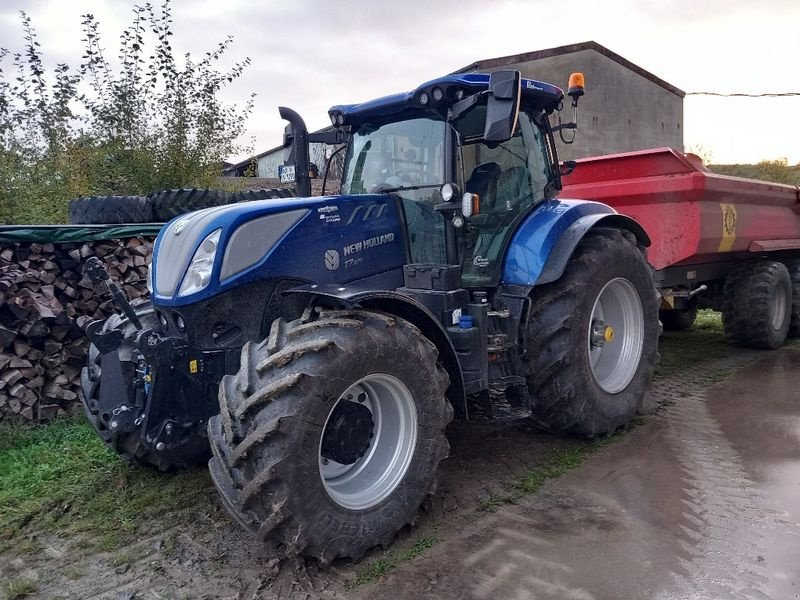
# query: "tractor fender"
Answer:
x=543 y=244
x=406 y=308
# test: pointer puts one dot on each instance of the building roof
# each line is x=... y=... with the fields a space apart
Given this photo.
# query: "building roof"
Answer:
x=491 y=63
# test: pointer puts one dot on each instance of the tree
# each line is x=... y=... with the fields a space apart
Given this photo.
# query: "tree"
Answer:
x=149 y=122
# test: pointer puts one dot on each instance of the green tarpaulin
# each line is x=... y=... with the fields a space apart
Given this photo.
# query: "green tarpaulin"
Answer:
x=56 y=234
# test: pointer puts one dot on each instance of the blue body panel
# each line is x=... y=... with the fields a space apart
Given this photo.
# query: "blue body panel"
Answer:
x=362 y=234
x=538 y=234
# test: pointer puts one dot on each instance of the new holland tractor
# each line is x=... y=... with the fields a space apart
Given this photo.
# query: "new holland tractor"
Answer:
x=322 y=345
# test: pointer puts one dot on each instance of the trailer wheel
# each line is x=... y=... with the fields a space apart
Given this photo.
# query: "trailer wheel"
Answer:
x=331 y=432
x=757 y=305
x=794 y=274
x=680 y=319
x=128 y=445
x=592 y=337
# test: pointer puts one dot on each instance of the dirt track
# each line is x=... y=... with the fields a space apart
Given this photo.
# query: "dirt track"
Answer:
x=654 y=515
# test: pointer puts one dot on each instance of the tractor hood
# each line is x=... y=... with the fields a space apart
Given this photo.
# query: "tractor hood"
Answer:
x=330 y=239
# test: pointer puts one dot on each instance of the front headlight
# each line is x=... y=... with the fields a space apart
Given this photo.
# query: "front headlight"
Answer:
x=198 y=275
x=150 y=278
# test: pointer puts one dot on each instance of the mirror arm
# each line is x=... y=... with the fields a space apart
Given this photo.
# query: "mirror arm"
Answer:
x=462 y=106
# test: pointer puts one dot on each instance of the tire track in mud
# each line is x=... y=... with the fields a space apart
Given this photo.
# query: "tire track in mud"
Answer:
x=727 y=519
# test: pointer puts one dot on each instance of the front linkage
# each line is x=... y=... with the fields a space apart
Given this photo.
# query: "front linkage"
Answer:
x=156 y=393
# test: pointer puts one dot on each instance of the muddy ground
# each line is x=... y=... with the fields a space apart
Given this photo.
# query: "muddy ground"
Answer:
x=694 y=502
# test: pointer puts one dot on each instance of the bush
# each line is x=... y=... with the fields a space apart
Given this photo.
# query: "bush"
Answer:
x=151 y=123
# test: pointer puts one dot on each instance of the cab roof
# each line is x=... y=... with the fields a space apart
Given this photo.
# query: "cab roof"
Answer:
x=535 y=95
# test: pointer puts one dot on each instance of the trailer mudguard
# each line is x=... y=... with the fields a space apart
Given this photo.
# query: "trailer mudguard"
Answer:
x=545 y=240
x=406 y=308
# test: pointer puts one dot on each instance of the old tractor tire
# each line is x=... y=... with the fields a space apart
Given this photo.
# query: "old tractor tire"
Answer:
x=107 y=210
x=265 y=194
x=794 y=274
x=757 y=305
x=330 y=434
x=592 y=337
x=680 y=319
x=168 y=204
x=128 y=445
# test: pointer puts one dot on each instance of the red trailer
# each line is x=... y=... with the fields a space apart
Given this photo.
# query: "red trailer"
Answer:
x=723 y=242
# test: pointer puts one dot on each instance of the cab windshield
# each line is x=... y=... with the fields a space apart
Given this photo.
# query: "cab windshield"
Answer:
x=407 y=159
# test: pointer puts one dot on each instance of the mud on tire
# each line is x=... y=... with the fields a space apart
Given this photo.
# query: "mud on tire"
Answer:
x=565 y=394
x=128 y=445
x=757 y=305
x=267 y=441
x=106 y=210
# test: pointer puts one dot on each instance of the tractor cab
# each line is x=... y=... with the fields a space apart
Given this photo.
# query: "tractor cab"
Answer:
x=468 y=156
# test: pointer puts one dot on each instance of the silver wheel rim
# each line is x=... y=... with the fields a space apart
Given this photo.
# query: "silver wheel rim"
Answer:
x=779 y=308
x=374 y=476
x=614 y=362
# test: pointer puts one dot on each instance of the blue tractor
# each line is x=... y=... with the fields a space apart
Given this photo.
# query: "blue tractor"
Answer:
x=322 y=345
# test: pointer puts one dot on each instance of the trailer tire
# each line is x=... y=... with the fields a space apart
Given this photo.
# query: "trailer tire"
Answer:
x=128 y=445
x=109 y=210
x=757 y=305
x=679 y=319
x=578 y=384
x=168 y=204
x=794 y=274
x=286 y=408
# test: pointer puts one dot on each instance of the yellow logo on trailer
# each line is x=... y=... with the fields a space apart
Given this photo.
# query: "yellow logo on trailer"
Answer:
x=728 y=227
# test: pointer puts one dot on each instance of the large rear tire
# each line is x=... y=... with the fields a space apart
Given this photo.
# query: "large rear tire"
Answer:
x=794 y=274
x=757 y=305
x=330 y=434
x=129 y=444
x=592 y=337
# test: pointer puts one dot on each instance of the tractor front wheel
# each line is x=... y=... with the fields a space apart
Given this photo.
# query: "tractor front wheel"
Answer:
x=331 y=432
x=592 y=337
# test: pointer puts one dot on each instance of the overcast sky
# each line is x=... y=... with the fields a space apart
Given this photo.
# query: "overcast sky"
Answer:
x=310 y=55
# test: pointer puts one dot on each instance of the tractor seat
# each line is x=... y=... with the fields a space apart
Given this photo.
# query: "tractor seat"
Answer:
x=483 y=181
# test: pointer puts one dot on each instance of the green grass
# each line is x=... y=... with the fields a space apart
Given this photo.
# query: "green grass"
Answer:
x=18 y=588
x=705 y=342
x=61 y=477
x=378 y=568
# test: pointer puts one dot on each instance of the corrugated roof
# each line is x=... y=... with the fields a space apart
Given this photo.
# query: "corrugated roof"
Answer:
x=491 y=63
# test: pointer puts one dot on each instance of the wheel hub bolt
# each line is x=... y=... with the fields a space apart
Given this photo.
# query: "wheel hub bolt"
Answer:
x=160 y=446
x=114 y=425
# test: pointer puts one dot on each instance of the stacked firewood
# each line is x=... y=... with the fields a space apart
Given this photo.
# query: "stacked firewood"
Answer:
x=46 y=301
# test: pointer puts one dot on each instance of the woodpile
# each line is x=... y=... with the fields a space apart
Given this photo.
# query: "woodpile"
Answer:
x=46 y=301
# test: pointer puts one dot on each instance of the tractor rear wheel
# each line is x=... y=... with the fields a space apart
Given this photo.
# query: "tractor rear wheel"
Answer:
x=794 y=274
x=331 y=432
x=679 y=319
x=592 y=337
x=129 y=444
x=757 y=305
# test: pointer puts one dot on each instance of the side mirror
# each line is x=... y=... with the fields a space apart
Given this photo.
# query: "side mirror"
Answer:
x=502 y=105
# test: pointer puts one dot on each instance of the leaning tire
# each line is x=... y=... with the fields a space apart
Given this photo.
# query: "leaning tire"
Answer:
x=107 y=210
x=794 y=274
x=581 y=383
x=168 y=204
x=293 y=457
x=680 y=319
x=757 y=305
x=265 y=194
x=128 y=445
